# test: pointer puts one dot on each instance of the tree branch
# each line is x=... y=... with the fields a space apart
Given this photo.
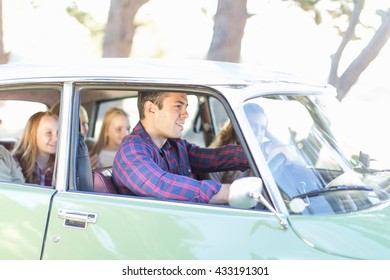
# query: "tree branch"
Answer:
x=335 y=58
x=368 y=54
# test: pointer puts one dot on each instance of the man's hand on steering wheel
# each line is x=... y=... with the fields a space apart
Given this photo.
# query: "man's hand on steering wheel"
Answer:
x=288 y=151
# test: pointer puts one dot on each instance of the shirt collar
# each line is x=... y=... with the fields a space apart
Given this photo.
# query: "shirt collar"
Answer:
x=140 y=130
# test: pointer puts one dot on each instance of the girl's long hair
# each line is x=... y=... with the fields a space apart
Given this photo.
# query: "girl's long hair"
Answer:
x=225 y=136
x=26 y=149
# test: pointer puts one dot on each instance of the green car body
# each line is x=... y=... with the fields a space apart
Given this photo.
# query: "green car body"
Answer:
x=63 y=223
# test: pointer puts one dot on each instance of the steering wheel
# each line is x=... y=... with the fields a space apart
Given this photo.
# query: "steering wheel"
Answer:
x=292 y=178
x=276 y=162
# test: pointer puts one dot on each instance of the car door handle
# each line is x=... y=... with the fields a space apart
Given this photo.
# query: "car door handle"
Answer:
x=77 y=219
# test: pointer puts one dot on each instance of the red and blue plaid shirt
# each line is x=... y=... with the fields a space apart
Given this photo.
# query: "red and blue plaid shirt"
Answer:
x=144 y=169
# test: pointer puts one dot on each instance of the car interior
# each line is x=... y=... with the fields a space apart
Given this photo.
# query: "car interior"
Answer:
x=207 y=115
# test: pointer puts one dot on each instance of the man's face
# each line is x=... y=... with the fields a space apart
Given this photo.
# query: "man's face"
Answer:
x=169 y=120
x=259 y=125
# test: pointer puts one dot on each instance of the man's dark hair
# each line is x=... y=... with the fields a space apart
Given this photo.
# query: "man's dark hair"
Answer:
x=156 y=97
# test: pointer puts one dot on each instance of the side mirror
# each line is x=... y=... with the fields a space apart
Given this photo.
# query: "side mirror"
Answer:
x=241 y=190
x=364 y=159
x=246 y=192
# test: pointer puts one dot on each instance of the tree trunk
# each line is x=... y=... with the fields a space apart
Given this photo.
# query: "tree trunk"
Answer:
x=350 y=76
x=368 y=54
x=120 y=28
x=4 y=57
x=229 y=25
x=335 y=58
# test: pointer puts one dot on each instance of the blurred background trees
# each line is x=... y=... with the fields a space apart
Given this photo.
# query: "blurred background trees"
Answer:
x=230 y=18
x=3 y=55
x=351 y=11
x=120 y=28
x=229 y=25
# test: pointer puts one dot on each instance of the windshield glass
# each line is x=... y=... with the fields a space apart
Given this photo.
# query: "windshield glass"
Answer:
x=315 y=173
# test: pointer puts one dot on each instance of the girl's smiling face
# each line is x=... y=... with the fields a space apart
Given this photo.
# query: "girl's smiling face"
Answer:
x=47 y=135
x=118 y=128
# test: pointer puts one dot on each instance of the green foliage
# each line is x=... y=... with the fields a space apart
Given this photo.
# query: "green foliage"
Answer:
x=335 y=8
x=85 y=19
x=310 y=6
x=344 y=8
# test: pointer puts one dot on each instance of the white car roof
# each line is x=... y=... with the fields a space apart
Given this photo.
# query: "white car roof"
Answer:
x=164 y=70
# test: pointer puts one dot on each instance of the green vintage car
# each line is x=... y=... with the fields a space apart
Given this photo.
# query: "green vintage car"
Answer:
x=326 y=202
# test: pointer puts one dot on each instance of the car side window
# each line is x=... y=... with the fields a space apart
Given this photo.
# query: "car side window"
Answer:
x=206 y=116
x=129 y=105
x=14 y=116
x=28 y=126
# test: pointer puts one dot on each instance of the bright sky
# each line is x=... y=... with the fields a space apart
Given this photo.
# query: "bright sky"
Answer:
x=278 y=36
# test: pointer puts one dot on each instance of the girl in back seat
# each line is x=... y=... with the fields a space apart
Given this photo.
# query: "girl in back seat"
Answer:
x=36 y=149
x=115 y=126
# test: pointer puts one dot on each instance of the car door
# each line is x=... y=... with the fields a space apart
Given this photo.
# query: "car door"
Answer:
x=92 y=226
x=24 y=207
x=23 y=220
x=95 y=226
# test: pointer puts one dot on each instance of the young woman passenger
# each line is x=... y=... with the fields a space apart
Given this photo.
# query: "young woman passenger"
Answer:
x=227 y=136
x=36 y=149
x=84 y=120
x=115 y=127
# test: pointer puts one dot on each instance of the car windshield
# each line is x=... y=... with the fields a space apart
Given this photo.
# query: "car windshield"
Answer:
x=302 y=141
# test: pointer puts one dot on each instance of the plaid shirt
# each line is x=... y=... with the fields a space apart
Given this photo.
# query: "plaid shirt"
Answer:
x=42 y=177
x=144 y=169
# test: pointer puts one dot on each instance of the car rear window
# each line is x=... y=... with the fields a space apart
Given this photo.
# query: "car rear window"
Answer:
x=14 y=115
